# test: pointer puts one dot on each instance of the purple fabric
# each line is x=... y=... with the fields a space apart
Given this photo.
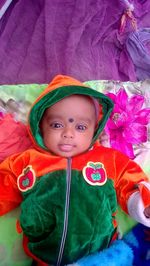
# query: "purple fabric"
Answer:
x=2 y=3
x=138 y=46
x=39 y=39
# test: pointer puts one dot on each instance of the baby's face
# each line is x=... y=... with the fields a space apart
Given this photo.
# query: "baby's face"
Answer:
x=68 y=126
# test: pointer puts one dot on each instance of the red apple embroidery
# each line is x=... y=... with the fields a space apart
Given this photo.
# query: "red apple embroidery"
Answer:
x=27 y=179
x=94 y=173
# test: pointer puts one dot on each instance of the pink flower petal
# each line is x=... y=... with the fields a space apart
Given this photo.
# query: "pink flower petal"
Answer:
x=117 y=120
x=110 y=125
x=120 y=144
x=112 y=96
x=122 y=99
x=117 y=109
x=135 y=133
x=122 y=120
x=143 y=116
x=135 y=103
x=127 y=149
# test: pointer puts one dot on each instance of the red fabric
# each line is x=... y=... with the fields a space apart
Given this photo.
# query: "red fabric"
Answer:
x=13 y=137
x=25 y=244
x=144 y=191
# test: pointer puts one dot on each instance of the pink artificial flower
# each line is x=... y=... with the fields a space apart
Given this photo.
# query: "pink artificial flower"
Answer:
x=127 y=125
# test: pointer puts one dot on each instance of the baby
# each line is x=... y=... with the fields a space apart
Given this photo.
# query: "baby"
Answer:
x=68 y=185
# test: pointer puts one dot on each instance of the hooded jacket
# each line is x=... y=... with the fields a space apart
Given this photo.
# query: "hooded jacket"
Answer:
x=68 y=205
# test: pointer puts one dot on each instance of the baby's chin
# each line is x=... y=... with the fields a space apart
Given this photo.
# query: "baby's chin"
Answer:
x=69 y=153
x=64 y=154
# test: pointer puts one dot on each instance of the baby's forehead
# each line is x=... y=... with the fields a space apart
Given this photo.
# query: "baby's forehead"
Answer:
x=74 y=106
x=84 y=99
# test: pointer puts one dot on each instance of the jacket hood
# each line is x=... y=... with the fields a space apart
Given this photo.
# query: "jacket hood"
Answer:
x=61 y=87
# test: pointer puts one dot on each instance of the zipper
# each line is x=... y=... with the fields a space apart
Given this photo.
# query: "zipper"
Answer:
x=67 y=200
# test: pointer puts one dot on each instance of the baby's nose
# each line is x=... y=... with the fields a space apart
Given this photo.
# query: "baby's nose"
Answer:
x=68 y=133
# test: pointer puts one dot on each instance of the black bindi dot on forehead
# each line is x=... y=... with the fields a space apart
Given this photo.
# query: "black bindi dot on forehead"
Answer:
x=71 y=120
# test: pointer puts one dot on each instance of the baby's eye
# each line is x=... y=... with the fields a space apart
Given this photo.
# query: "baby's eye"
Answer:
x=81 y=127
x=56 y=125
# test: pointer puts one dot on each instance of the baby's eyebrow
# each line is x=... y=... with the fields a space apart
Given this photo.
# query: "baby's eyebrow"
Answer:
x=51 y=117
x=84 y=120
x=79 y=119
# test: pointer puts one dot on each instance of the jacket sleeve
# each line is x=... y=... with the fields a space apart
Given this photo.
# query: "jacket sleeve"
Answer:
x=10 y=196
x=132 y=188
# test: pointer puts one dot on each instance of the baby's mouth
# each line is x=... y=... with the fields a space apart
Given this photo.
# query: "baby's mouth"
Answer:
x=66 y=147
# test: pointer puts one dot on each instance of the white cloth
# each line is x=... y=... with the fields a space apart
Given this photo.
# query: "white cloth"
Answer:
x=136 y=207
